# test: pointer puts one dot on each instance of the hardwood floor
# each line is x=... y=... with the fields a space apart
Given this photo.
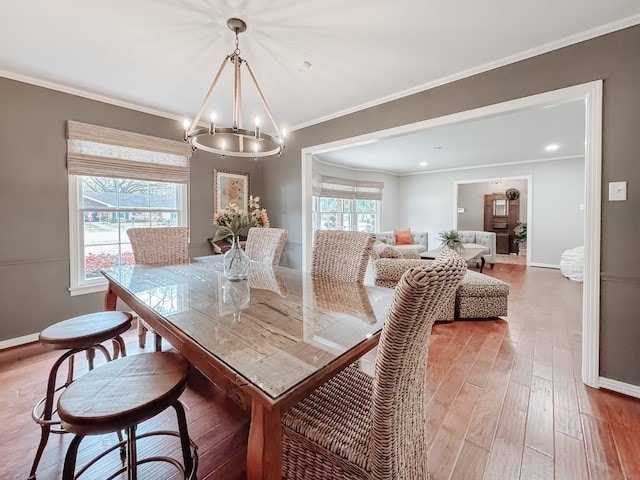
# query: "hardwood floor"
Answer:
x=505 y=401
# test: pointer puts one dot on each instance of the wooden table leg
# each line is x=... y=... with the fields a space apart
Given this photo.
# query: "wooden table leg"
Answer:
x=110 y=299
x=264 y=449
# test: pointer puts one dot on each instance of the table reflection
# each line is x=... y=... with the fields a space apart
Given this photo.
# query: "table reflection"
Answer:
x=236 y=296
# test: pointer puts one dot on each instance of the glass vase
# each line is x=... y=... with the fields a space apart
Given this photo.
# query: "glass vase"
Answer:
x=236 y=262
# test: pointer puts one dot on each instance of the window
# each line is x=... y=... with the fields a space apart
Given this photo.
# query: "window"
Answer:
x=134 y=181
x=345 y=214
x=345 y=204
x=107 y=207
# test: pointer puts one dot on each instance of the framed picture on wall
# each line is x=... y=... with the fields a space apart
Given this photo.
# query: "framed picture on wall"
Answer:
x=230 y=187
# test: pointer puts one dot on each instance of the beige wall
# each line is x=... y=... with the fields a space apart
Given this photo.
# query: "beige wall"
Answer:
x=615 y=58
x=34 y=217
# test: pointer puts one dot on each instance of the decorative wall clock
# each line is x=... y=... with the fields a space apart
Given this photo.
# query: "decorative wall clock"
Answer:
x=512 y=193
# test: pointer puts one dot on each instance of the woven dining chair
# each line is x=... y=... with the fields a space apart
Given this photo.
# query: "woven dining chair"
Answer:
x=157 y=246
x=265 y=245
x=362 y=427
x=342 y=255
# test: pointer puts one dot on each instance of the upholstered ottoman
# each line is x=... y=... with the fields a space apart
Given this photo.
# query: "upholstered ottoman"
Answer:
x=388 y=271
x=481 y=296
x=478 y=296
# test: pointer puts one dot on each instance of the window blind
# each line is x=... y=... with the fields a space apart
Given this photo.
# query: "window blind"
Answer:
x=336 y=187
x=98 y=151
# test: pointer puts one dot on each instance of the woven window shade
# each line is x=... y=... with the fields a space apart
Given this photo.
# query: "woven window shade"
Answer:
x=336 y=187
x=105 y=152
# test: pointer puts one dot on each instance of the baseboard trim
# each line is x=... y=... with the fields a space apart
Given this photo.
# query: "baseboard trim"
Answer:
x=545 y=265
x=18 y=341
x=620 y=387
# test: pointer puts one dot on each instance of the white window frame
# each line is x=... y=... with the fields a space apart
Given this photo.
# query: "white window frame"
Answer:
x=79 y=285
x=97 y=151
x=353 y=213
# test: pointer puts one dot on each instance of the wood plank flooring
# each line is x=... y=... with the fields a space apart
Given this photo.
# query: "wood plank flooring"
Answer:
x=505 y=402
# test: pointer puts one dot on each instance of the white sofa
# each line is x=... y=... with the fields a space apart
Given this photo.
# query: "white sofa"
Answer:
x=420 y=240
x=484 y=239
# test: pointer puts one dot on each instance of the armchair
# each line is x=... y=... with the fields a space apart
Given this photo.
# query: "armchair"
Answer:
x=481 y=239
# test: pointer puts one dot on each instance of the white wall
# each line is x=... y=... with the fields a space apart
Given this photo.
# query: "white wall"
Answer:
x=389 y=213
x=471 y=198
x=557 y=222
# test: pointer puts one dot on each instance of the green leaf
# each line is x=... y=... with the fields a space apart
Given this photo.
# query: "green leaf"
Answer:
x=222 y=232
x=451 y=239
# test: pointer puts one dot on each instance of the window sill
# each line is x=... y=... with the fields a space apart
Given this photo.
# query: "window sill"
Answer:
x=84 y=289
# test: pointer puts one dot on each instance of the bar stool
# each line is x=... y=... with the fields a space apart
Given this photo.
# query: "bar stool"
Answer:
x=132 y=389
x=78 y=334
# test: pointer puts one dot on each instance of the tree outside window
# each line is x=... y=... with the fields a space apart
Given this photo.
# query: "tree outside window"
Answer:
x=110 y=206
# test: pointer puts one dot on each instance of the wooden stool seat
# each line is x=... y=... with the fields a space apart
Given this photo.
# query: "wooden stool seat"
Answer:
x=121 y=394
x=86 y=330
x=79 y=334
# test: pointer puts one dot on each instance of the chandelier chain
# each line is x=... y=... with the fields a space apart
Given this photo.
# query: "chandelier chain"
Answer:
x=237 y=50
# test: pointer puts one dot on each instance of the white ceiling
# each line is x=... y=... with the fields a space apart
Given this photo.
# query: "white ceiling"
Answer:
x=161 y=55
x=513 y=137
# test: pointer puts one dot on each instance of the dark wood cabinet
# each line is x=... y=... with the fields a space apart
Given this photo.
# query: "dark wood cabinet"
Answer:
x=502 y=243
x=501 y=215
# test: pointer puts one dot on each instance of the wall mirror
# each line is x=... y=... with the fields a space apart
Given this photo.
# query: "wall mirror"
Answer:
x=500 y=207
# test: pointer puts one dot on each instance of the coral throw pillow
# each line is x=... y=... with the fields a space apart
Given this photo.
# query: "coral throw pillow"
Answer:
x=403 y=237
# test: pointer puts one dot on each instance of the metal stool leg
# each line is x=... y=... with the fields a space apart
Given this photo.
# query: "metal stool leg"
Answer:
x=132 y=460
x=119 y=347
x=45 y=419
x=70 y=459
x=185 y=442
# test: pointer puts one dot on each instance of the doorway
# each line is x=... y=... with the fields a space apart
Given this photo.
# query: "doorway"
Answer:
x=468 y=209
x=591 y=94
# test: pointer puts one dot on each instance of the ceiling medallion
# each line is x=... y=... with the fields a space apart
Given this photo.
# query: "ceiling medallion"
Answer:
x=234 y=141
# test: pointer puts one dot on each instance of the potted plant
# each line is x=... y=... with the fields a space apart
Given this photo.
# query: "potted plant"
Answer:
x=451 y=239
x=520 y=234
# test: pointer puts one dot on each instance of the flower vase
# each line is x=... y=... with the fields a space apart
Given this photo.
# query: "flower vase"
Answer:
x=236 y=262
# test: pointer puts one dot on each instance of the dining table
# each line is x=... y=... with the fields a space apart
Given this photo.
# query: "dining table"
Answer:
x=267 y=341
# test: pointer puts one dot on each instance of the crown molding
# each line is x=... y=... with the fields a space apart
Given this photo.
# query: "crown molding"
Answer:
x=60 y=87
x=532 y=52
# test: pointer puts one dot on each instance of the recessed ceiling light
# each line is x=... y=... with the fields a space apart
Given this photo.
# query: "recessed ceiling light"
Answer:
x=302 y=65
x=423 y=164
x=437 y=147
x=552 y=147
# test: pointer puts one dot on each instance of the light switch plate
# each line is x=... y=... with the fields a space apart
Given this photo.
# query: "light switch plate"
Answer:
x=617 y=191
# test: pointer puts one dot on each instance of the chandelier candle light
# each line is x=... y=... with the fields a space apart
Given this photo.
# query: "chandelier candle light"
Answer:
x=234 y=141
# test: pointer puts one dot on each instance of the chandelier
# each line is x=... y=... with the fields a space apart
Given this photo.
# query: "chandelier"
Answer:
x=234 y=141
